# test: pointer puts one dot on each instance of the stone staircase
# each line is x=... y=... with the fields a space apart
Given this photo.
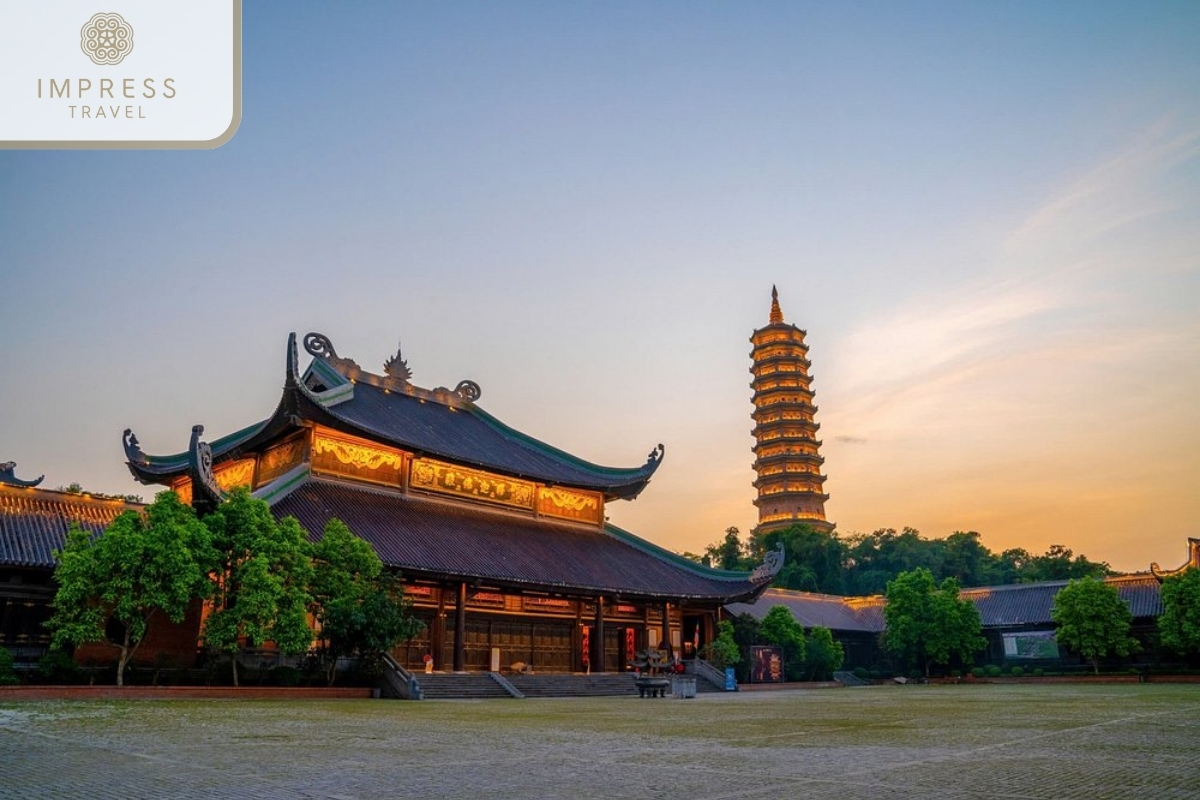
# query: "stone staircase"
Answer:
x=460 y=686
x=607 y=684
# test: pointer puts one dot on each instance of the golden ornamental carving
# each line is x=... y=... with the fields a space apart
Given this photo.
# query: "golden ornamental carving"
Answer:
x=357 y=455
x=438 y=476
x=574 y=501
x=279 y=459
x=235 y=473
x=570 y=504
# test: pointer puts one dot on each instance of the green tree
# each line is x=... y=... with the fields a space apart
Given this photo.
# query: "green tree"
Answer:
x=261 y=577
x=1093 y=620
x=1179 y=625
x=1059 y=563
x=813 y=560
x=823 y=655
x=360 y=608
x=929 y=625
x=727 y=553
x=780 y=628
x=144 y=565
x=723 y=651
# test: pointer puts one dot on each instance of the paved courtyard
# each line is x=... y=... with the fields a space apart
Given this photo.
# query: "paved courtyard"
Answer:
x=1125 y=741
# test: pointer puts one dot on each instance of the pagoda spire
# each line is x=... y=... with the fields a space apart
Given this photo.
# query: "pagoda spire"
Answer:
x=787 y=452
x=776 y=312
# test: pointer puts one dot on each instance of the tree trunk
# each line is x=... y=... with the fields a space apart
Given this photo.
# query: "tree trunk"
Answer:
x=233 y=658
x=1096 y=665
x=124 y=659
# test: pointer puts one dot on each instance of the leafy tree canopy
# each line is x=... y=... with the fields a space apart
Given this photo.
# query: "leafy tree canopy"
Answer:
x=1093 y=620
x=1179 y=624
x=360 y=609
x=143 y=565
x=780 y=628
x=862 y=564
x=823 y=655
x=723 y=651
x=261 y=574
x=929 y=625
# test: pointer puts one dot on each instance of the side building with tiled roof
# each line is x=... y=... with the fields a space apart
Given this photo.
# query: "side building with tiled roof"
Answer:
x=33 y=525
x=502 y=540
x=1016 y=618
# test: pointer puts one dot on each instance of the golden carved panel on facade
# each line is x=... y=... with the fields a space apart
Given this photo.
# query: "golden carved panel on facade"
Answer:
x=356 y=458
x=232 y=474
x=360 y=456
x=571 y=504
x=279 y=459
x=438 y=476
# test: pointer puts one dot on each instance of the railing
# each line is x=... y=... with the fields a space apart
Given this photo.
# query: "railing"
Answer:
x=506 y=686
x=400 y=682
x=849 y=679
x=710 y=673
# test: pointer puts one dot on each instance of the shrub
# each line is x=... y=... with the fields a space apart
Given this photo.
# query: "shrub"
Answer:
x=8 y=673
x=993 y=671
x=1017 y=672
x=861 y=673
x=58 y=667
x=955 y=673
x=1038 y=672
x=978 y=672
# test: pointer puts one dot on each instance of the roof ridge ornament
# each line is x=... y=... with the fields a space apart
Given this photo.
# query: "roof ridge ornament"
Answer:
x=318 y=344
x=1193 y=562
x=469 y=391
x=7 y=476
x=772 y=563
x=656 y=455
x=206 y=492
x=133 y=451
x=396 y=367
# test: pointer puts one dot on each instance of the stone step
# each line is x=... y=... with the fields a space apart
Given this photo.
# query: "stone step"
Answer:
x=465 y=686
x=574 y=685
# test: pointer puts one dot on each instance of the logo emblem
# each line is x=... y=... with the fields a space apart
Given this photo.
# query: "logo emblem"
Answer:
x=106 y=38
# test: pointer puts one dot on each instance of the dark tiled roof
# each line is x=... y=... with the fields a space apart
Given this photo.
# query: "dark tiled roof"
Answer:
x=33 y=524
x=454 y=430
x=999 y=606
x=430 y=538
x=470 y=435
x=1030 y=603
x=819 y=610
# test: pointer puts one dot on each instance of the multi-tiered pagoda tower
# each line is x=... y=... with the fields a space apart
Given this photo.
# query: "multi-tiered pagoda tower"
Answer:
x=787 y=461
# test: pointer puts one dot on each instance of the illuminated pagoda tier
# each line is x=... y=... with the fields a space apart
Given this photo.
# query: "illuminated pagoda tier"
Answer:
x=787 y=452
x=501 y=540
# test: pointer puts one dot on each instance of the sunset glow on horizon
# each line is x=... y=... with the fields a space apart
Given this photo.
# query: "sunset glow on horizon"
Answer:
x=986 y=218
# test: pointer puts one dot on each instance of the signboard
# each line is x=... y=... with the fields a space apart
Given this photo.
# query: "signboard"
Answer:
x=766 y=664
x=1030 y=644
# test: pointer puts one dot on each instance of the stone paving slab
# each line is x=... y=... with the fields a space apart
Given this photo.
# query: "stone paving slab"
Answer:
x=883 y=743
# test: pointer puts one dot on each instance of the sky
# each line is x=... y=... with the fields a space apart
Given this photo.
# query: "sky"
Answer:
x=986 y=217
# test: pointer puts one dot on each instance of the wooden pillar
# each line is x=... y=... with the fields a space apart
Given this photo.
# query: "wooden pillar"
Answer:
x=460 y=629
x=598 y=638
x=666 y=628
x=577 y=639
x=437 y=636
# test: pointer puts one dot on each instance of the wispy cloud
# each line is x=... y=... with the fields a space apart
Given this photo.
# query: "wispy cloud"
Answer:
x=1121 y=190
